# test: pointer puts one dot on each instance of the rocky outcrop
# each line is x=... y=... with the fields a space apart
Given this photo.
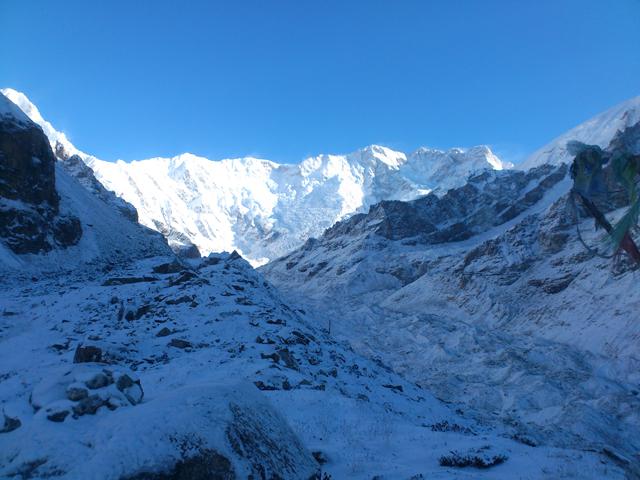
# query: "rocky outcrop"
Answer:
x=30 y=218
x=76 y=167
x=487 y=200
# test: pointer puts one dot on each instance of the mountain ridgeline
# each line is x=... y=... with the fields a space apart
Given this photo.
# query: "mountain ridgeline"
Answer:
x=262 y=208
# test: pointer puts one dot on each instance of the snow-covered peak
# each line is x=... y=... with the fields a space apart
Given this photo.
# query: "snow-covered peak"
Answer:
x=389 y=157
x=9 y=110
x=263 y=208
x=54 y=136
x=599 y=130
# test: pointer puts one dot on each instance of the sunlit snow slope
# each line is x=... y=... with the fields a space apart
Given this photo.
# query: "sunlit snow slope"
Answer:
x=599 y=130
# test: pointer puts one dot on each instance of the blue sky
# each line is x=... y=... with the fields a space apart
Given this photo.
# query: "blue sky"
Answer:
x=287 y=79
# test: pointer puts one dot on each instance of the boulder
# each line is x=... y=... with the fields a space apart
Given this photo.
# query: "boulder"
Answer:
x=89 y=405
x=132 y=389
x=99 y=380
x=87 y=353
x=9 y=424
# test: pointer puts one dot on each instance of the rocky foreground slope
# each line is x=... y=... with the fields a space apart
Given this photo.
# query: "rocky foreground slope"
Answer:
x=488 y=297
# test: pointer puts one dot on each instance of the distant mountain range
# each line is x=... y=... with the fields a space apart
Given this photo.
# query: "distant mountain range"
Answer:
x=262 y=208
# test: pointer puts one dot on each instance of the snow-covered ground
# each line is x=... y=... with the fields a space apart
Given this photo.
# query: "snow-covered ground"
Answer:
x=209 y=343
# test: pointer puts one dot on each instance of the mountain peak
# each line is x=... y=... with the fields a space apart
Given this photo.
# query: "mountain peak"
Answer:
x=55 y=137
x=261 y=208
x=386 y=155
x=598 y=130
x=8 y=108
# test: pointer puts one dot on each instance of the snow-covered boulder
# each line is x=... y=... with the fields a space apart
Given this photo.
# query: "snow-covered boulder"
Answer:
x=197 y=432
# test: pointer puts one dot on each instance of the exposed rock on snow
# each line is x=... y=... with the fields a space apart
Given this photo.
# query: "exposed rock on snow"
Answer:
x=76 y=167
x=258 y=388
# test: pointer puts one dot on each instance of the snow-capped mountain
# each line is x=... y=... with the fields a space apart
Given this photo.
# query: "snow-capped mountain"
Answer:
x=599 y=130
x=488 y=297
x=262 y=208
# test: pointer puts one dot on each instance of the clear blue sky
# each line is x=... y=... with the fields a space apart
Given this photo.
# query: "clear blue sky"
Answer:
x=285 y=79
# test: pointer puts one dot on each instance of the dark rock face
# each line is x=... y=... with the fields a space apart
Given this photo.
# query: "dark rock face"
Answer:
x=27 y=165
x=30 y=221
x=208 y=465
x=87 y=354
x=627 y=140
x=9 y=424
x=250 y=440
x=459 y=214
x=186 y=251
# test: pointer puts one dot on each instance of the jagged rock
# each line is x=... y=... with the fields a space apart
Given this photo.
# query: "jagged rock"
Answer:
x=29 y=203
x=99 y=380
x=186 y=251
x=140 y=312
x=274 y=357
x=179 y=343
x=77 y=393
x=206 y=465
x=457 y=215
x=9 y=424
x=552 y=285
x=234 y=256
x=477 y=458
x=264 y=341
x=128 y=280
x=89 y=405
x=263 y=386
x=169 y=267
x=184 y=277
x=320 y=457
x=287 y=358
x=164 y=331
x=179 y=300
x=132 y=389
x=396 y=388
x=77 y=168
x=247 y=436
x=58 y=416
x=87 y=353
x=67 y=231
